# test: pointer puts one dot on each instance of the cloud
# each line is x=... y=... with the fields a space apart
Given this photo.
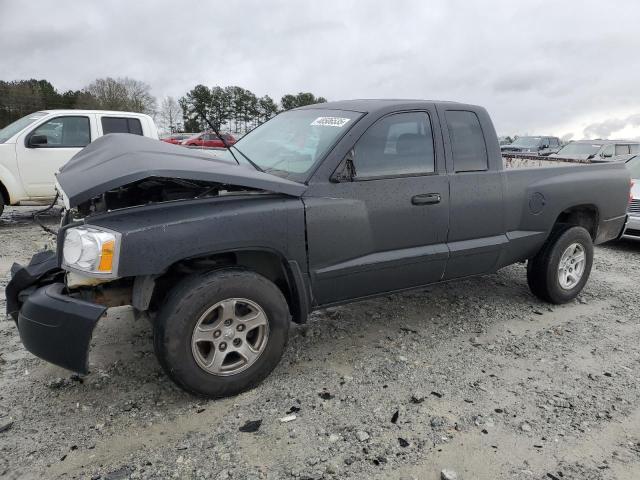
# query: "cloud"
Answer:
x=605 y=128
x=533 y=64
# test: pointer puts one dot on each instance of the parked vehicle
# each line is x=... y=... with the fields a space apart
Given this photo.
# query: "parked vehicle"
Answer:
x=633 y=224
x=209 y=140
x=344 y=201
x=177 y=138
x=533 y=145
x=598 y=150
x=33 y=148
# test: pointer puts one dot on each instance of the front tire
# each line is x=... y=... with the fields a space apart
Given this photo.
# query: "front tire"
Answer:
x=558 y=273
x=221 y=333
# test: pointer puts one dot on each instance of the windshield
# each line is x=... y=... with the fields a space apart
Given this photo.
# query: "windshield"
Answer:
x=290 y=144
x=526 y=142
x=634 y=167
x=579 y=149
x=10 y=130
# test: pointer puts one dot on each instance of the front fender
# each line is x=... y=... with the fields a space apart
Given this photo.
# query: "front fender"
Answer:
x=158 y=236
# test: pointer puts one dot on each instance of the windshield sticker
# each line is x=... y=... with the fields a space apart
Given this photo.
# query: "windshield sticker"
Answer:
x=330 y=121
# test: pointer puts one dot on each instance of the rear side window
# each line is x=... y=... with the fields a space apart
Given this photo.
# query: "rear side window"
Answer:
x=121 y=125
x=622 y=150
x=634 y=148
x=398 y=144
x=467 y=141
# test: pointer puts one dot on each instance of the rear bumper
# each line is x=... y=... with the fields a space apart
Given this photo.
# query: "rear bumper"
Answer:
x=57 y=327
x=611 y=229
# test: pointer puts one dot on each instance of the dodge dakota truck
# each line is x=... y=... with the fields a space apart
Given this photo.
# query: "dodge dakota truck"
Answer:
x=320 y=206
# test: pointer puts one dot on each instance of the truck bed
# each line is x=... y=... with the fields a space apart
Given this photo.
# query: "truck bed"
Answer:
x=537 y=192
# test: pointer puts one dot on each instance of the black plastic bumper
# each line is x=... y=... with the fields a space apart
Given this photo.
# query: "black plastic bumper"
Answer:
x=58 y=328
x=42 y=270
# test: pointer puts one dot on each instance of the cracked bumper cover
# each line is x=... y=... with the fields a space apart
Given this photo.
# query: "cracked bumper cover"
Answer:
x=53 y=326
x=57 y=327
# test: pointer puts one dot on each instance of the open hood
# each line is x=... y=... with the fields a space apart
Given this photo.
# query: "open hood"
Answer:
x=120 y=159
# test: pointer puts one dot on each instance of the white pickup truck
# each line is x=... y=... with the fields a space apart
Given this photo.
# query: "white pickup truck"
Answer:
x=33 y=148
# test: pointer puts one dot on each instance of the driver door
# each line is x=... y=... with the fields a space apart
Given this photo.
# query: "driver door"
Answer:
x=65 y=136
x=385 y=230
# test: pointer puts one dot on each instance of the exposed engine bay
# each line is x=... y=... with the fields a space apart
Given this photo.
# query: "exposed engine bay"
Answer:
x=157 y=190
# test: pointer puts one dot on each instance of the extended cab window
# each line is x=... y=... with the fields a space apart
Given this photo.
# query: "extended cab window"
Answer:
x=622 y=150
x=399 y=144
x=65 y=132
x=467 y=141
x=121 y=125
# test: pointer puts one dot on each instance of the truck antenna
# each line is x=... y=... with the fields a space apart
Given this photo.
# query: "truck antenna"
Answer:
x=215 y=130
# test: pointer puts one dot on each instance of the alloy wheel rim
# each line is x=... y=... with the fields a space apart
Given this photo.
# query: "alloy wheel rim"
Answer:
x=230 y=336
x=572 y=265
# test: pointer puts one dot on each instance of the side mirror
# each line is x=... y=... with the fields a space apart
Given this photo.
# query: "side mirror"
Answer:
x=346 y=170
x=36 y=141
x=544 y=146
x=607 y=154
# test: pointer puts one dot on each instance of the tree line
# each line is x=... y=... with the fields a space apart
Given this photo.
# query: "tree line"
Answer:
x=234 y=108
x=21 y=97
x=230 y=108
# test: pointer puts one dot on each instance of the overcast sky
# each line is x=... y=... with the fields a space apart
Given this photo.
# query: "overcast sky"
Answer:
x=539 y=67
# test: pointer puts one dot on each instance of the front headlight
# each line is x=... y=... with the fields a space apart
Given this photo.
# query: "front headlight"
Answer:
x=91 y=250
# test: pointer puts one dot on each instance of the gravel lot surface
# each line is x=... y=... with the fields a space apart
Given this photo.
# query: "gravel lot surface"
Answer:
x=475 y=377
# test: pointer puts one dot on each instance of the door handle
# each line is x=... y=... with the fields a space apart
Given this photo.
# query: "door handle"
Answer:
x=426 y=199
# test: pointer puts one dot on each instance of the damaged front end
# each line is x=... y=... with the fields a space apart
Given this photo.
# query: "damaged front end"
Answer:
x=57 y=299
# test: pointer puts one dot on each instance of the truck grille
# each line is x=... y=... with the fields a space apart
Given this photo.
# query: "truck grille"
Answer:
x=635 y=206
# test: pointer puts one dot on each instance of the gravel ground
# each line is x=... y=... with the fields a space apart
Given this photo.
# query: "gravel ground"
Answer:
x=476 y=377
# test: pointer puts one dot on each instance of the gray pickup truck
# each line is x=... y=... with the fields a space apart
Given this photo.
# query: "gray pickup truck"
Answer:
x=322 y=205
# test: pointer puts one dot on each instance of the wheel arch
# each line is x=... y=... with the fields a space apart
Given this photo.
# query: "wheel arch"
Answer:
x=4 y=193
x=585 y=215
x=285 y=274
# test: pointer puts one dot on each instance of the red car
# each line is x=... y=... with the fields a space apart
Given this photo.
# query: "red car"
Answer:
x=176 y=138
x=209 y=140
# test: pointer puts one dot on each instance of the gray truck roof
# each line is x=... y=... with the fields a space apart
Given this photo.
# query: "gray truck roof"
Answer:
x=373 y=105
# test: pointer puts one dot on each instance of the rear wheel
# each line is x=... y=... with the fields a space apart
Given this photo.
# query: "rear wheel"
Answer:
x=558 y=273
x=221 y=333
x=1 y=204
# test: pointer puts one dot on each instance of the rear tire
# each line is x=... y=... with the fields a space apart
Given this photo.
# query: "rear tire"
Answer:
x=240 y=309
x=1 y=204
x=558 y=273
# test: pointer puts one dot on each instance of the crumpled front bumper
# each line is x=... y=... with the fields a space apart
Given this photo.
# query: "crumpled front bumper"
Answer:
x=53 y=326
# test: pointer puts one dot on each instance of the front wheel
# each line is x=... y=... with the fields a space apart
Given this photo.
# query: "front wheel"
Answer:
x=558 y=273
x=221 y=333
